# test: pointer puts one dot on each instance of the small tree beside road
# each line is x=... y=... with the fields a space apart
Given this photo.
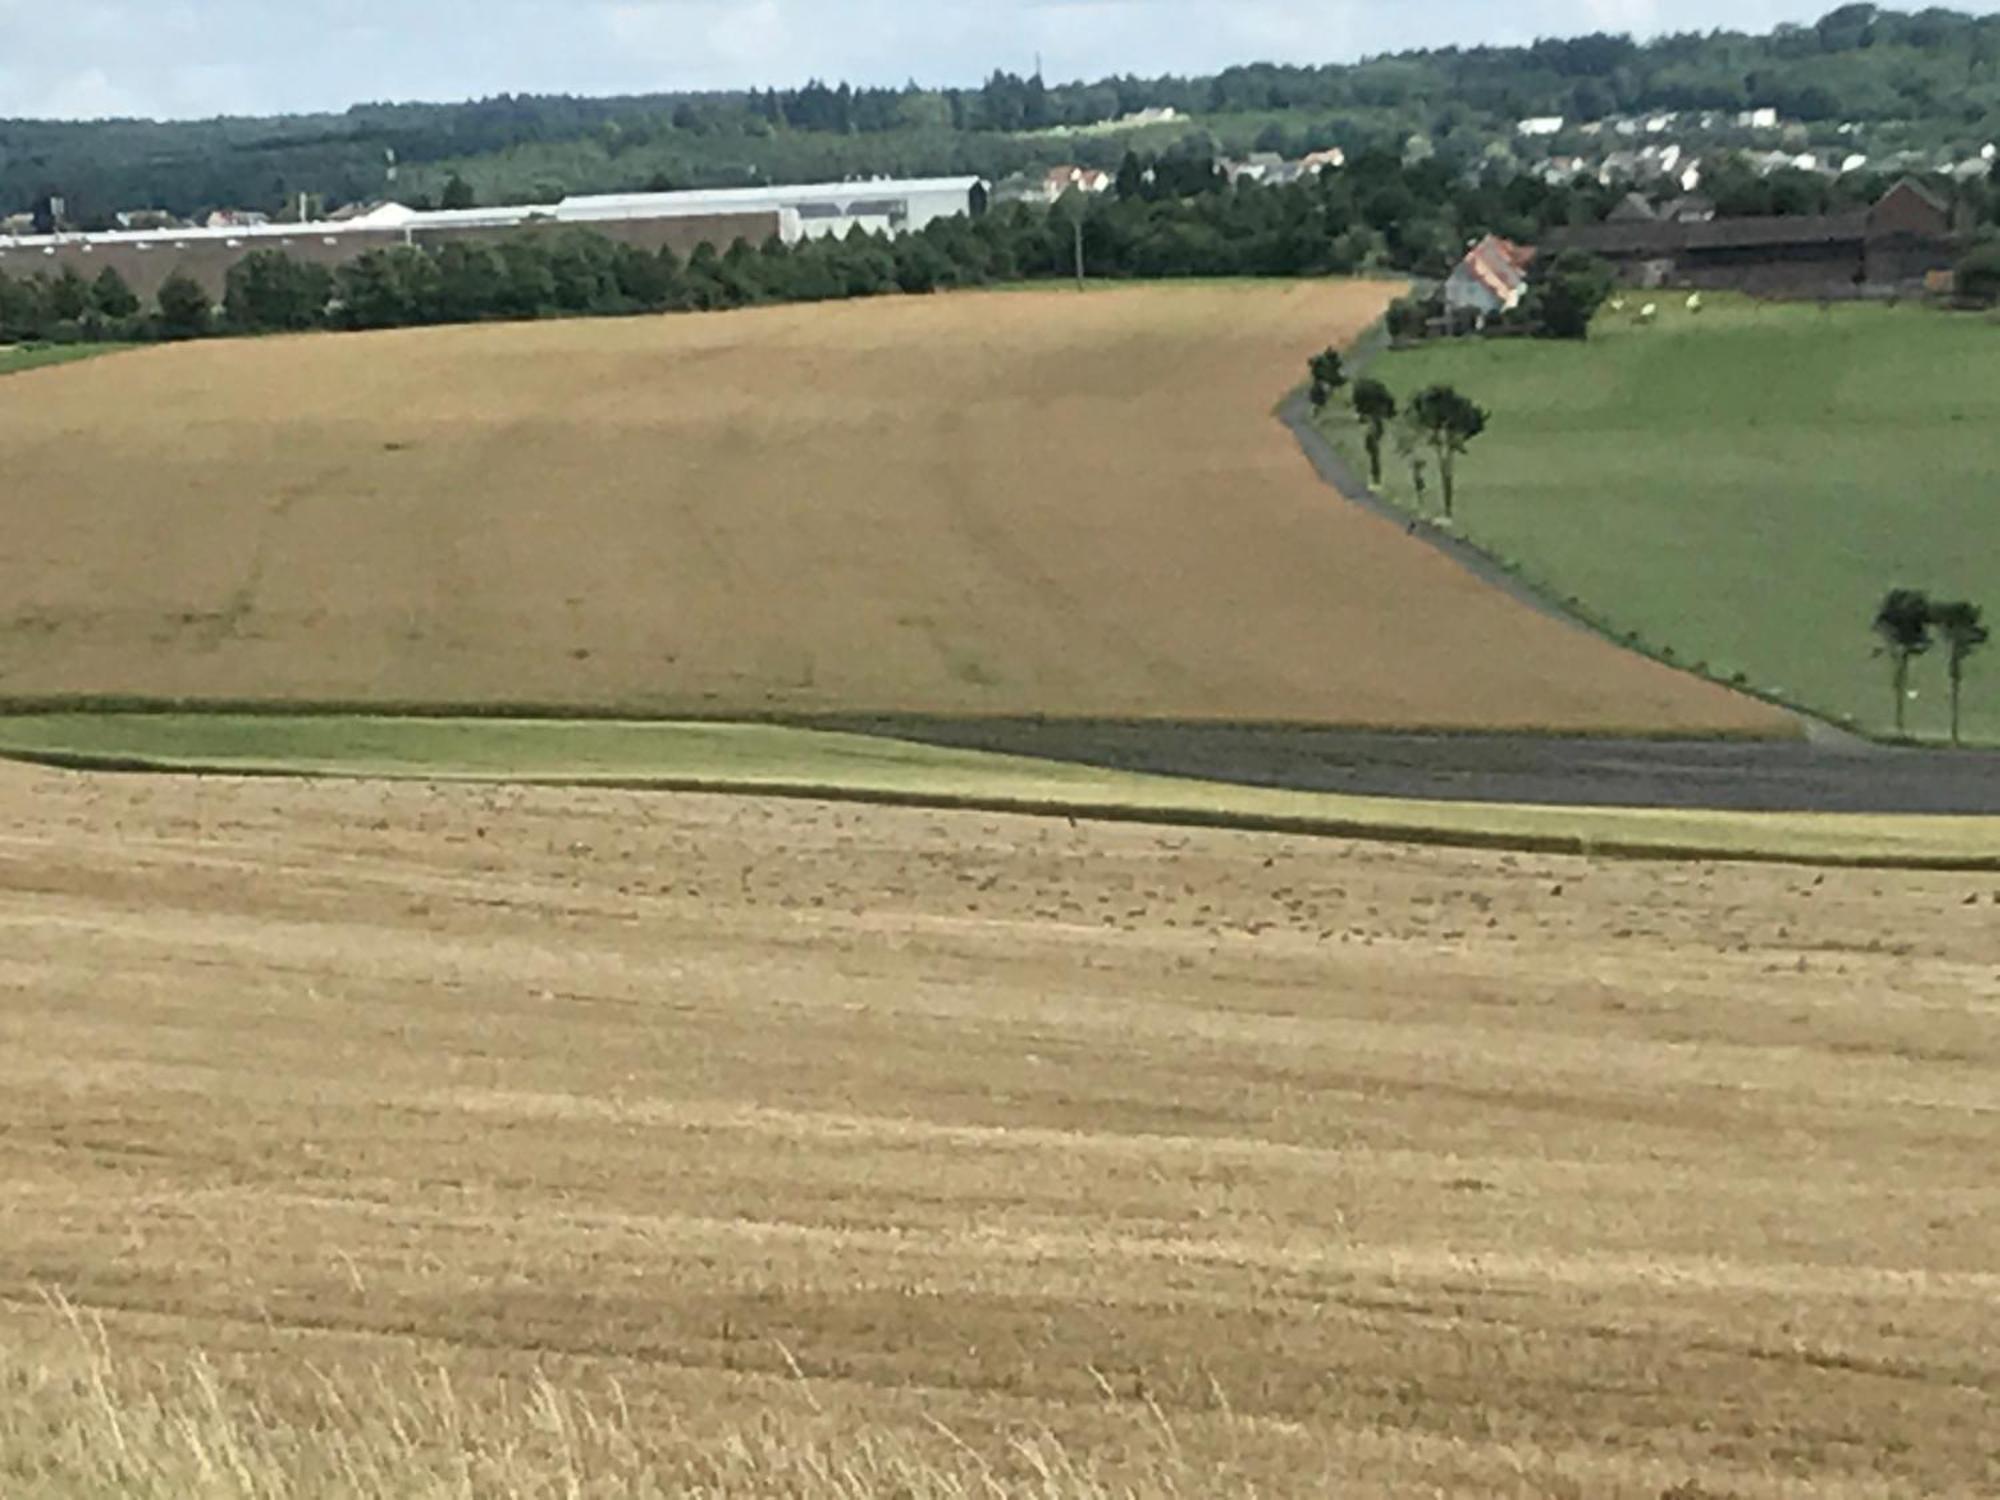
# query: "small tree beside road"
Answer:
x=1375 y=405
x=1449 y=422
x=1329 y=374
x=1963 y=630
x=1413 y=448
x=1904 y=625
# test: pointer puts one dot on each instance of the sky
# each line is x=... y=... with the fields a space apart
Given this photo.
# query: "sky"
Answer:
x=85 y=59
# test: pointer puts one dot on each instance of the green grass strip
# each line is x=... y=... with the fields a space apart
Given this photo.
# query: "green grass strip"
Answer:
x=772 y=760
x=18 y=358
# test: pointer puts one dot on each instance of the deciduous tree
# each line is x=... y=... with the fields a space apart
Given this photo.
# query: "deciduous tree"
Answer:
x=1375 y=405
x=1963 y=630
x=1414 y=448
x=271 y=292
x=1904 y=624
x=185 y=309
x=1449 y=422
x=1329 y=374
x=69 y=296
x=1568 y=293
x=113 y=295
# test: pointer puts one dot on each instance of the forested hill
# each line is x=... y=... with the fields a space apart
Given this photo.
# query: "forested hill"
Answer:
x=1896 y=81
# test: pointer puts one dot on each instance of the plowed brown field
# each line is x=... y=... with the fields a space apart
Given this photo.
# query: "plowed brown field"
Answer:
x=1333 y=1169
x=1002 y=503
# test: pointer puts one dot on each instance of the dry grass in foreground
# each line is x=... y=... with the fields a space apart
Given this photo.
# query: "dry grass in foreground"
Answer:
x=1020 y=502
x=756 y=1136
x=77 y=1422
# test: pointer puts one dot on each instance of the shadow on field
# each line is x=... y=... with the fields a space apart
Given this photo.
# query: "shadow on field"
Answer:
x=1725 y=776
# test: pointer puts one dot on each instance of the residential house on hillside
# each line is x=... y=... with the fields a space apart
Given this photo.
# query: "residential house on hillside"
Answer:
x=1059 y=180
x=1633 y=208
x=1266 y=167
x=1689 y=208
x=1491 y=280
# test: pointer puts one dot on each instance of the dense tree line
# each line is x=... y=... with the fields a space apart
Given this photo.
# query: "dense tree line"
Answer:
x=1936 y=72
x=1170 y=217
x=68 y=307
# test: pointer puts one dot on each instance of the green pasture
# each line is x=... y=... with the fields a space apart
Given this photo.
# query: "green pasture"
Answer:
x=1736 y=489
x=15 y=358
x=775 y=760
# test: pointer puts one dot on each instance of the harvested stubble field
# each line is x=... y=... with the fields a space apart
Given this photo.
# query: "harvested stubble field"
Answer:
x=1007 y=503
x=542 y=1142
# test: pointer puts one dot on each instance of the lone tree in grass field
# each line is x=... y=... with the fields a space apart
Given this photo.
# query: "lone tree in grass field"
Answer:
x=1329 y=374
x=1963 y=632
x=1449 y=423
x=1904 y=624
x=1375 y=405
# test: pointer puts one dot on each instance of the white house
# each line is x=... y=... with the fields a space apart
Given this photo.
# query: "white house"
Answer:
x=1059 y=180
x=1540 y=125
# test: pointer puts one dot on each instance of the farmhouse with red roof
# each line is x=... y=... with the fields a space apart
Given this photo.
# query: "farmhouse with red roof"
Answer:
x=1491 y=280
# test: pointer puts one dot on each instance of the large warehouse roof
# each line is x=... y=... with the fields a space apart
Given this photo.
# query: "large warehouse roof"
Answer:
x=939 y=194
x=740 y=200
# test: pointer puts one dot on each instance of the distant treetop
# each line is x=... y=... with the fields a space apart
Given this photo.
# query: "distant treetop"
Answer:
x=1935 y=73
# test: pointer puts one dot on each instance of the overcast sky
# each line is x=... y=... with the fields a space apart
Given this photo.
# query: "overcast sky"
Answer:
x=89 y=58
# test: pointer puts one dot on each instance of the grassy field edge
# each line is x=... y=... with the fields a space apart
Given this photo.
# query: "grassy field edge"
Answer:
x=797 y=764
x=1341 y=431
x=124 y=706
x=1342 y=434
x=19 y=359
x=1622 y=387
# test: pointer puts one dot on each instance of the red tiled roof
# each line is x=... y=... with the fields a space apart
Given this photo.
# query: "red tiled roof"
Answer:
x=1499 y=265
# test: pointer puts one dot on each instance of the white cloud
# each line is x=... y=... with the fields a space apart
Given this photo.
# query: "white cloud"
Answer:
x=88 y=94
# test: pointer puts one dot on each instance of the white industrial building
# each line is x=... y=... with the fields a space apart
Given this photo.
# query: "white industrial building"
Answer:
x=813 y=211
x=806 y=211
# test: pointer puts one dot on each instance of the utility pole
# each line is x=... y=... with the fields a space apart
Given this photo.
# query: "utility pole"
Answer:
x=1080 y=279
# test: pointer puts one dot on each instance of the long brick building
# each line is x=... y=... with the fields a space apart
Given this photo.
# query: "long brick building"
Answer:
x=1894 y=244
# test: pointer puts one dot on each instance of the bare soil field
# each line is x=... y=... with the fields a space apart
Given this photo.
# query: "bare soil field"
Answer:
x=1007 y=503
x=795 y=1141
x=1835 y=775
